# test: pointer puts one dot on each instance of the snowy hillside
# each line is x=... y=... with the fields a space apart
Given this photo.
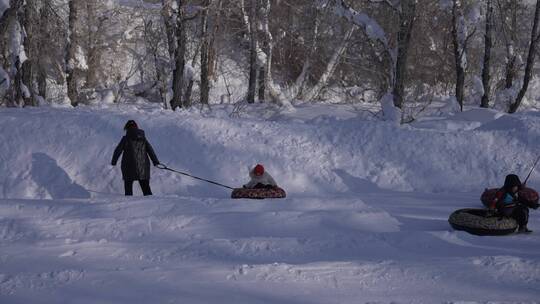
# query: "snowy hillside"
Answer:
x=365 y=220
x=313 y=151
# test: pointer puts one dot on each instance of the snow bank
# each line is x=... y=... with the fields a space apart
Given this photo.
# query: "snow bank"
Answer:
x=337 y=237
x=308 y=153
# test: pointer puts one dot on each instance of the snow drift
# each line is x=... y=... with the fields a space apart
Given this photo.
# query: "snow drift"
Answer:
x=59 y=153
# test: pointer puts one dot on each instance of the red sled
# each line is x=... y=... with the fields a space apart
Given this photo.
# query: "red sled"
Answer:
x=259 y=193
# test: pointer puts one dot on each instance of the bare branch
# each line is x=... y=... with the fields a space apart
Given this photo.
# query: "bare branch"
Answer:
x=395 y=5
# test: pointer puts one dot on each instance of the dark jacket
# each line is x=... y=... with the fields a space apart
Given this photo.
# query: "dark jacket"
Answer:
x=499 y=203
x=135 y=162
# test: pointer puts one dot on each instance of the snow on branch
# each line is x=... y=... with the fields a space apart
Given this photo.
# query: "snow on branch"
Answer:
x=372 y=29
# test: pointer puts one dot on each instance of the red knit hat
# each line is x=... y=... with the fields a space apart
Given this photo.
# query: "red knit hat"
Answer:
x=258 y=170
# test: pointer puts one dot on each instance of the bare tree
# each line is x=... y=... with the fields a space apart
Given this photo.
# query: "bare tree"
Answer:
x=29 y=67
x=508 y=19
x=44 y=37
x=253 y=45
x=179 y=57
x=73 y=51
x=273 y=91
x=181 y=97
x=170 y=25
x=205 y=49
x=486 y=76
x=530 y=61
x=460 y=40
x=406 y=12
x=298 y=89
x=10 y=22
x=314 y=91
x=95 y=26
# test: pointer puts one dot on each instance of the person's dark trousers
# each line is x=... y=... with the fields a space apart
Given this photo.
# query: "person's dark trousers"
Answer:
x=521 y=214
x=145 y=187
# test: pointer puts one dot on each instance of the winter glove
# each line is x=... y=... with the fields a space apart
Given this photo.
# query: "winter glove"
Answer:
x=113 y=164
x=535 y=206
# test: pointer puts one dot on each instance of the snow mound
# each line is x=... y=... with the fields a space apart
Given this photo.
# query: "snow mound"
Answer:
x=65 y=153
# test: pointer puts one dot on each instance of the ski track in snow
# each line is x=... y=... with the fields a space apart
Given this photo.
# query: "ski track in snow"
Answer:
x=347 y=232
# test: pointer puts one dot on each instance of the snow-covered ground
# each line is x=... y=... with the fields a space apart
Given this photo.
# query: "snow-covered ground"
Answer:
x=365 y=220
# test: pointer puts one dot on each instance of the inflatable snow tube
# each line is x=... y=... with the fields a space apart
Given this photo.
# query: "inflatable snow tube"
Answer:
x=527 y=196
x=480 y=222
x=258 y=193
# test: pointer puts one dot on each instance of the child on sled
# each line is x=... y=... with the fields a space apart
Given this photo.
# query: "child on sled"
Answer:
x=260 y=179
x=507 y=203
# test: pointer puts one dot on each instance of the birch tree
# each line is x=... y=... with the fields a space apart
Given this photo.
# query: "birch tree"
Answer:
x=95 y=26
x=314 y=91
x=73 y=53
x=460 y=39
x=264 y=55
x=406 y=12
x=181 y=94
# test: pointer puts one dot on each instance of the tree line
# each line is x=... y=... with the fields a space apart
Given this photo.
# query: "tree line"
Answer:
x=176 y=51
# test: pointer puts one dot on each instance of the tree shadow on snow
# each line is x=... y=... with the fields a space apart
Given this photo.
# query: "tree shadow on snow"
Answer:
x=48 y=175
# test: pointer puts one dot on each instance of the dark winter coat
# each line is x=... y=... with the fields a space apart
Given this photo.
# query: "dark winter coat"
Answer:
x=505 y=201
x=136 y=150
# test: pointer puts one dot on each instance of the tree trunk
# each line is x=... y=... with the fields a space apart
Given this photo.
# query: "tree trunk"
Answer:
x=530 y=61
x=212 y=52
x=407 y=17
x=41 y=41
x=11 y=21
x=180 y=60
x=29 y=66
x=94 y=51
x=510 y=72
x=7 y=18
x=510 y=49
x=301 y=81
x=313 y=92
x=170 y=27
x=273 y=92
x=268 y=50
x=262 y=84
x=187 y=94
x=486 y=76
x=205 y=81
x=458 y=56
x=251 y=25
x=71 y=54
x=17 y=89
